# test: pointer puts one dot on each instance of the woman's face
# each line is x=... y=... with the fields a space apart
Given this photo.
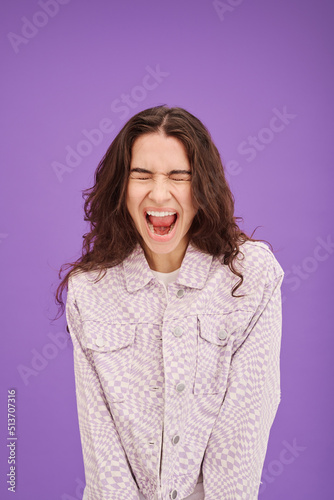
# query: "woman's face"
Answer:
x=159 y=197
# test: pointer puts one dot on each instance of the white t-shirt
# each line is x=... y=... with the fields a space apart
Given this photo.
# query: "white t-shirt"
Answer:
x=166 y=278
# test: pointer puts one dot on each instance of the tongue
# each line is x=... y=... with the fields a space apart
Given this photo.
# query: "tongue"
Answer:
x=162 y=221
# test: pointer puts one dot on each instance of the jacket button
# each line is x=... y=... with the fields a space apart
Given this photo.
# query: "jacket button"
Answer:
x=180 y=387
x=222 y=334
x=177 y=331
x=175 y=439
x=99 y=342
x=180 y=294
x=173 y=494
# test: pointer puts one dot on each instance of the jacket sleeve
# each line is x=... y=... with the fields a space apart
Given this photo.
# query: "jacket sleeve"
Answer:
x=107 y=472
x=236 y=449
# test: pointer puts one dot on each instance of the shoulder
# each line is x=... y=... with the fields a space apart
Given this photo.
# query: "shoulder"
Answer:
x=257 y=261
x=95 y=294
x=87 y=281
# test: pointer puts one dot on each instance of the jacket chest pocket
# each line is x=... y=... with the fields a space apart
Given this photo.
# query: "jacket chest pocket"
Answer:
x=216 y=336
x=110 y=348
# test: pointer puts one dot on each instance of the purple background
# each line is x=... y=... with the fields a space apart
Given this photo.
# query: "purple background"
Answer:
x=236 y=68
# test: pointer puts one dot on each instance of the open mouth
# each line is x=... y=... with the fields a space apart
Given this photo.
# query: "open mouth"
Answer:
x=161 y=223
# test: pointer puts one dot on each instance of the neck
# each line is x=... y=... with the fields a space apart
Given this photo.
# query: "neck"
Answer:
x=164 y=263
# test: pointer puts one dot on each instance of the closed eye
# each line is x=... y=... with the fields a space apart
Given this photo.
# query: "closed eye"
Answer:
x=180 y=178
x=142 y=174
x=180 y=175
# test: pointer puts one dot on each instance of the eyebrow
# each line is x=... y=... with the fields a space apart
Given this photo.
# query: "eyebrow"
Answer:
x=171 y=172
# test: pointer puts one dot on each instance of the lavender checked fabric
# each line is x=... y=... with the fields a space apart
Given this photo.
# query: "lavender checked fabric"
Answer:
x=169 y=384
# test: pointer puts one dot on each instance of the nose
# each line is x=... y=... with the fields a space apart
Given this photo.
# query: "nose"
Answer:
x=159 y=192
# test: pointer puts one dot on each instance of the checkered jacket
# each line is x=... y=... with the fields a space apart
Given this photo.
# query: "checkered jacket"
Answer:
x=169 y=382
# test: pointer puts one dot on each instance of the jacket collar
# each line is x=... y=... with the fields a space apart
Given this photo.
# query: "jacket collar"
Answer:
x=194 y=270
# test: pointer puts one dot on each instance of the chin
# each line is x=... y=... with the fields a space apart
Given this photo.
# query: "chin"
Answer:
x=161 y=249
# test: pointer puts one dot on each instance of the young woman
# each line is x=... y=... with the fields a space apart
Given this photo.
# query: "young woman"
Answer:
x=175 y=318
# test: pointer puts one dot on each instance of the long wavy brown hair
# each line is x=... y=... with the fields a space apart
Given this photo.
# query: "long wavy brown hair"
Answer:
x=113 y=235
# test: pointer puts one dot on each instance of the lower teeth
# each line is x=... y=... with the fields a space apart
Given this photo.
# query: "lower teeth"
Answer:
x=151 y=228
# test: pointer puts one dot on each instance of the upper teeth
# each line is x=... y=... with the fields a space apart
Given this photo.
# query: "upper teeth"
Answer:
x=159 y=214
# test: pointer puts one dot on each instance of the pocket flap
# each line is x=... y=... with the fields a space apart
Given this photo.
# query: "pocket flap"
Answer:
x=214 y=329
x=102 y=336
x=218 y=328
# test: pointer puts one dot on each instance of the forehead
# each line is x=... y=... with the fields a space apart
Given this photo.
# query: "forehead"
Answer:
x=158 y=151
